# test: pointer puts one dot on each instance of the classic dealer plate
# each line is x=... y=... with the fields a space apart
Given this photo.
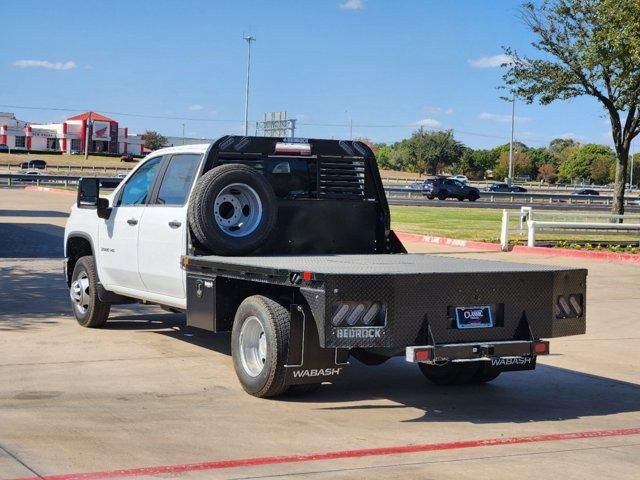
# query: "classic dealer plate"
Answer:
x=474 y=317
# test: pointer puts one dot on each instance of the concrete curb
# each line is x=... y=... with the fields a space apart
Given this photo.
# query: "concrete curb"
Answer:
x=33 y=188
x=494 y=247
x=588 y=254
x=414 y=237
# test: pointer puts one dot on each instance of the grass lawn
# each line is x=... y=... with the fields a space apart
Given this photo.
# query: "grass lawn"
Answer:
x=482 y=224
x=453 y=222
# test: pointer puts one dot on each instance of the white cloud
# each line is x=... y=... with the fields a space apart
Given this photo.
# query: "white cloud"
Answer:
x=494 y=117
x=352 y=5
x=69 y=65
x=490 y=62
x=428 y=122
x=195 y=108
x=438 y=110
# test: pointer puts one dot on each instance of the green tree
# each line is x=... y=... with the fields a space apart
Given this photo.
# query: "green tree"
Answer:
x=634 y=177
x=517 y=147
x=430 y=151
x=521 y=165
x=589 y=48
x=559 y=145
x=601 y=169
x=539 y=157
x=547 y=172
x=474 y=163
x=580 y=162
x=153 y=140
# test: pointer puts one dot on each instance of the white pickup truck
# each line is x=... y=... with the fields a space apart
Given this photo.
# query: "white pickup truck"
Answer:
x=287 y=244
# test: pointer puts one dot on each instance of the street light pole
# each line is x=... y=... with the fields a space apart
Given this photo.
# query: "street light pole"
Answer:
x=183 y=133
x=248 y=39
x=86 y=137
x=513 y=116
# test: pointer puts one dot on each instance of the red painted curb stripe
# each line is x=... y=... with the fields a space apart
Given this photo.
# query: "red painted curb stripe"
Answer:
x=370 y=452
x=414 y=237
x=565 y=252
x=494 y=247
x=33 y=188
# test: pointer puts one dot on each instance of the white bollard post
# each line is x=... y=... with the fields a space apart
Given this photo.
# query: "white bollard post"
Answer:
x=504 y=232
x=531 y=233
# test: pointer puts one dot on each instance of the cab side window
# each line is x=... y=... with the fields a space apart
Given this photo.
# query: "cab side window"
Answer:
x=138 y=188
x=177 y=179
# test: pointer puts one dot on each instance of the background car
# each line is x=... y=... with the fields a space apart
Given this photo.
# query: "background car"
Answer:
x=417 y=185
x=31 y=173
x=4 y=148
x=443 y=188
x=503 y=187
x=586 y=191
x=461 y=178
x=126 y=157
x=33 y=164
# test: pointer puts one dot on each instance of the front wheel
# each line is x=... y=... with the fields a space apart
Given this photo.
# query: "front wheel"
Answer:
x=88 y=309
x=259 y=344
x=430 y=197
x=442 y=196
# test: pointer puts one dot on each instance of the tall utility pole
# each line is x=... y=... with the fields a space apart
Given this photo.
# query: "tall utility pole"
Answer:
x=183 y=133
x=513 y=116
x=248 y=39
x=86 y=137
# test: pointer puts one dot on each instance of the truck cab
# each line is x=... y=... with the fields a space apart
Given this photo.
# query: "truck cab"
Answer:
x=137 y=249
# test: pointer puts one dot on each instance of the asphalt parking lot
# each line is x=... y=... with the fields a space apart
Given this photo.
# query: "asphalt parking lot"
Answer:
x=147 y=397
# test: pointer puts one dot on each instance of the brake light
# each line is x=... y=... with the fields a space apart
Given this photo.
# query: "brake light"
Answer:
x=422 y=355
x=541 y=348
x=306 y=276
x=290 y=148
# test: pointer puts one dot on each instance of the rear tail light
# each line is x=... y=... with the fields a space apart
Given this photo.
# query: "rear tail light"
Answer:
x=420 y=354
x=541 y=348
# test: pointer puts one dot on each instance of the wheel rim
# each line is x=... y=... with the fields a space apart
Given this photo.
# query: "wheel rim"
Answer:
x=253 y=346
x=79 y=292
x=237 y=210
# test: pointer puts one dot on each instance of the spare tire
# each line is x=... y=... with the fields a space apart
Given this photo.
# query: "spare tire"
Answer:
x=232 y=210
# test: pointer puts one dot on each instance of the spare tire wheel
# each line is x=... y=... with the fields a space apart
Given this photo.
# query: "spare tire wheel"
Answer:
x=232 y=210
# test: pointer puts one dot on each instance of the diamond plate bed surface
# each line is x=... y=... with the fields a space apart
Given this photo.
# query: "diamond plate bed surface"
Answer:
x=373 y=264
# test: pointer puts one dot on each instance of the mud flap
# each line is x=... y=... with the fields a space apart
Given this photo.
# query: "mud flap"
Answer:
x=306 y=361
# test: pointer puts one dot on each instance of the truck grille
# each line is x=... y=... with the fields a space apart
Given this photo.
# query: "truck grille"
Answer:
x=341 y=178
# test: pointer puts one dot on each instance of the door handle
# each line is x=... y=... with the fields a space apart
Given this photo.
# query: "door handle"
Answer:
x=175 y=224
x=132 y=221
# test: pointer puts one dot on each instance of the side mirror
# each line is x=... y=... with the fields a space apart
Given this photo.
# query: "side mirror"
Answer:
x=88 y=191
x=89 y=197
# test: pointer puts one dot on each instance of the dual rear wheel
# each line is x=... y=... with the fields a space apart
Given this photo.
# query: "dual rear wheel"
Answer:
x=259 y=346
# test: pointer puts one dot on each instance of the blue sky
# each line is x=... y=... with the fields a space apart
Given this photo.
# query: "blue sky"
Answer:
x=386 y=65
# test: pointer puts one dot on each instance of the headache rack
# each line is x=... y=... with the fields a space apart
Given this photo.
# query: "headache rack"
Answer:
x=346 y=210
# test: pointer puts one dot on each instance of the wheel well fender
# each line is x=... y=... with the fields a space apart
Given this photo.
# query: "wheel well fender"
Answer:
x=78 y=245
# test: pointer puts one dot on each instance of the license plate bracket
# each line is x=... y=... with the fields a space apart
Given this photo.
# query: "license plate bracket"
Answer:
x=477 y=316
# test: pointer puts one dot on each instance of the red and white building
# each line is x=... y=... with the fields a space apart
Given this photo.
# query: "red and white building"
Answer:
x=100 y=133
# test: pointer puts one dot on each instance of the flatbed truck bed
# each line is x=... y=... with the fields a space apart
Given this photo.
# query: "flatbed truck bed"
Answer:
x=415 y=304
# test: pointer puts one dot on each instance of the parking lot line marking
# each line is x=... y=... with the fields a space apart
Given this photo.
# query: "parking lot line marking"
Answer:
x=337 y=455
